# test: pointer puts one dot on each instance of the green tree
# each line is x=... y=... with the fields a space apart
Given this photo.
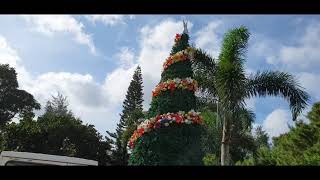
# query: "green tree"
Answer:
x=134 y=118
x=175 y=144
x=232 y=87
x=210 y=160
x=261 y=138
x=58 y=134
x=2 y=142
x=212 y=133
x=13 y=101
x=299 y=146
x=24 y=136
x=132 y=111
x=58 y=106
x=261 y=152
x=242 y=141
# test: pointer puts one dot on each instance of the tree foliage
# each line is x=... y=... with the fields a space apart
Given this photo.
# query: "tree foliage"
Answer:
x=131 y=113
x=58 y=134
x=299 y=146
x=226 y=82
x=13 y=101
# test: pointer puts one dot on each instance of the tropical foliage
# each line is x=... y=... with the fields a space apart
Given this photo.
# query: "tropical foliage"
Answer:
x=230 y=87
x=197 y=116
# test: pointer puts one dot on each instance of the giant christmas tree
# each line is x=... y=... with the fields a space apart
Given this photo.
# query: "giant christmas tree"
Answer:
x=171 y=135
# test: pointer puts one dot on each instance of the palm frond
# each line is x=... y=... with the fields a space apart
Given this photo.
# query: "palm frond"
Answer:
x=246 y=117
x=203 y=60
x=275 y=83
x=230 y=74
x=204 y=68
x=234 y=46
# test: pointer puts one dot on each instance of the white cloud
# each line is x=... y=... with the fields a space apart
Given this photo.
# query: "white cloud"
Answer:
x=117 y=83
x=208 y=39
x=7 y=54
x=303 y=55
x=279 y=120
x=263 y=47
x=109 y=20
x=82 y=89
x=52 y=24
x=272 y=60
x=88 y=99
x=276 y=123
x=310 y=81
x=125 y=57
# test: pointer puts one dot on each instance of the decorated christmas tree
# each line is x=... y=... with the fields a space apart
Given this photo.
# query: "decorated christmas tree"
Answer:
x=171 y=135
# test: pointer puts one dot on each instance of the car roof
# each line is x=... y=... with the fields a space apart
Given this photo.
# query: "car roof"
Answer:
x=48 y=157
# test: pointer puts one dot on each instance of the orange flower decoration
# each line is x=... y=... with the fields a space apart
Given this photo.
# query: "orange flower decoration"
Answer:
x=173 y=84
x=178 y=57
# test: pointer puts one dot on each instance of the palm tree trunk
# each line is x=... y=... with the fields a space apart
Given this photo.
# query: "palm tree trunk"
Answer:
x=225 y=154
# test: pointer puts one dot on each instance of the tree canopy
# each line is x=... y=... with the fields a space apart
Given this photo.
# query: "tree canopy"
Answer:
x=57 y=132
x=13 y=101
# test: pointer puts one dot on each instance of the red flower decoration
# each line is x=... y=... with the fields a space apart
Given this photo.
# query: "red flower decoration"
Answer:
x=178 y=37
x=172 y=86
x=131 y=144
x=178 y=119
x=156 y=123
x=140 y=131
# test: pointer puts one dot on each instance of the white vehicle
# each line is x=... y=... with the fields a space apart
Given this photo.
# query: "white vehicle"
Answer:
x=11 y=158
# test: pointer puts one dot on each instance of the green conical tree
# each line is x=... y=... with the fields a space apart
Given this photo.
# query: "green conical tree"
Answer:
x=177 y=143
x=132 y=103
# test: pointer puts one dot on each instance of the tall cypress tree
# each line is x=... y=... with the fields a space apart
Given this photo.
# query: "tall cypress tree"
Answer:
x=131 y=104
x=171 y=135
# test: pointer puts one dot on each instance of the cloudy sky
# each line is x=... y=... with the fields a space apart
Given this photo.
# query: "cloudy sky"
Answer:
x=91 y=58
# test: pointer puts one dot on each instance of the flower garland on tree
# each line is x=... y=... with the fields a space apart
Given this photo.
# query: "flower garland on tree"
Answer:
x=172 y=84
x=179 y=57
x=165 y=120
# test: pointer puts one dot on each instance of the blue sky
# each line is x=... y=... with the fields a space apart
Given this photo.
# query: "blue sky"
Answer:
x=91 y=58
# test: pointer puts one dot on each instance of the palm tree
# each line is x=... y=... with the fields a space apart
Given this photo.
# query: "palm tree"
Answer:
x=227 y=82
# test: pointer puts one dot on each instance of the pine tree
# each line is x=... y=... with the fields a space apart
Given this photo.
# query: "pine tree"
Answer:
x=58 y=106
x=174 y=137
x=132 y=103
